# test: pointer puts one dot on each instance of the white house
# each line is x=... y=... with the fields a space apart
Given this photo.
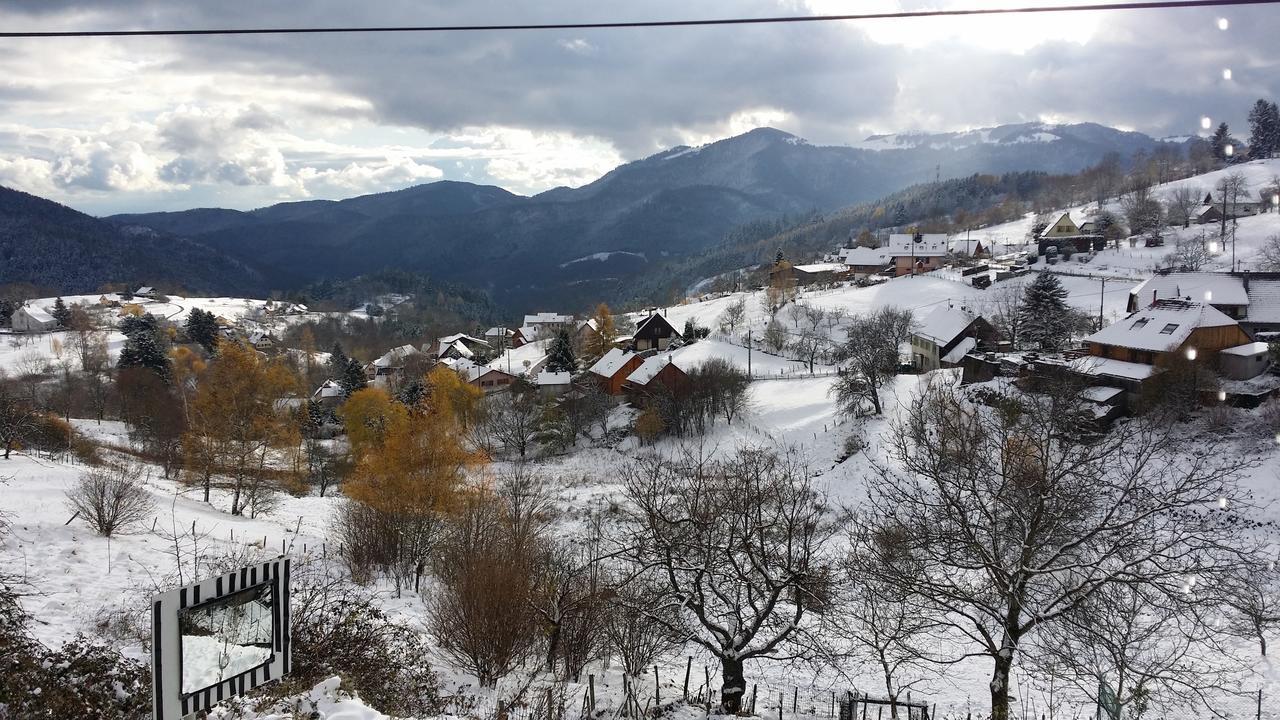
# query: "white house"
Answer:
x=30 y=318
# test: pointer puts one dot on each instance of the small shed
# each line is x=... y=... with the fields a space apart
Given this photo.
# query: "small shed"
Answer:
x=1243 y=362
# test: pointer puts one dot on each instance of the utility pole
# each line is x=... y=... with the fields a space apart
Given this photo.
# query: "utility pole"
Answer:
x=966 y=243
x=1102 y=303
x=748 y=353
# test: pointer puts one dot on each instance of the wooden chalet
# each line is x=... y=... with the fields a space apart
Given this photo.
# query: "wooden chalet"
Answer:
x=612 y=370
x=657 y=374
x=654 y=333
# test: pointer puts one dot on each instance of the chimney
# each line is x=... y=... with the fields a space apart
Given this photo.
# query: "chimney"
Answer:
x=1246 y=282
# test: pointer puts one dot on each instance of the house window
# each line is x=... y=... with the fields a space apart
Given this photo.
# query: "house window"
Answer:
x=1141 y=323
x=1168 y=329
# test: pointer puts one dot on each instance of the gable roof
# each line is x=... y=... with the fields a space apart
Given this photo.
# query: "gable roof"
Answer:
x=822 y=267
x=37 y=313
x=328 y=389
x=879 y=257
x=655 y=320
x=650 y=368
x=611 y=363
x=930 y=245
x=395 y=355
x=546 y=377
x=1161 y=327
x=945 y=324
x=544 y=318
x=1222 y=289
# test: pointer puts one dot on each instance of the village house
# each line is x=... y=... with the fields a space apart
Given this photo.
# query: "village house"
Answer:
x=553 y=384
x=864 y=262
x=30 y=318
x=1066 y=232
x=1251 y=298
x=261 y=340
x=498 y=337
x=145 y=291
x=915 y=253
x=611 y=371
x=329 y=395
x=820 y=273
x=654 y=333
x=458 y=345
x=946 y=335
x=545 y=325
x=657 y=374
x=1167 y=329
x=1211 y=212
x=385 y=368
x=586 y=335
x=488 y=379
x=526 y=360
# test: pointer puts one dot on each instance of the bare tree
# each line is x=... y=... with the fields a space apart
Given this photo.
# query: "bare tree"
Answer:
x=1255 y=599
x=1183 y=202
x=511 y=418
x=1151 y=649
x=1270 y=254
x=1015 y=514
x=1230 y=189
x=111 y=499
x=871 y=352
x=1003 y=306
x=486 y=567
x=733 y=316
x=741 y=549
x=631 y=635
x=881 y=622
x=17 y=417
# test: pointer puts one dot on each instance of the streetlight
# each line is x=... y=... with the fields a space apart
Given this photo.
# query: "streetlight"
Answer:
x=1195 y=377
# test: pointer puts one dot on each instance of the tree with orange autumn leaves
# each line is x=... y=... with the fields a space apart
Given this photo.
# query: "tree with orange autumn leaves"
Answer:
x=410 y=464
x=235 y=426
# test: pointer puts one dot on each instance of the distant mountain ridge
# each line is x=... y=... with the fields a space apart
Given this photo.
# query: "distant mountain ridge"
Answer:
x=673 y=204
x=52 y=246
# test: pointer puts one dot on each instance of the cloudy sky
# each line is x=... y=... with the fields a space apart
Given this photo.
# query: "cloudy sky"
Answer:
x=134 y=124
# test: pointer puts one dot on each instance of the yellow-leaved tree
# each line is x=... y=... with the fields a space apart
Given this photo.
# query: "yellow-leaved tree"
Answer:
x=410 y=467
x=599 y=342
x=235 y=424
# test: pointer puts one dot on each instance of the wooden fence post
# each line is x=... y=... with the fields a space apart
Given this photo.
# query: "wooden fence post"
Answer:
x=591 y=691
x=753 y=698
x=795 y=698
x=687 y=667
x=657 y=689
x=779 y=705
x=1259 y=703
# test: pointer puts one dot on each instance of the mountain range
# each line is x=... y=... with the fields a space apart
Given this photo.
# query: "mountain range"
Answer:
x=569 y=246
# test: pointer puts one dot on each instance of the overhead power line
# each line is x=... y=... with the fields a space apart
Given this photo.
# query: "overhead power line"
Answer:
x=1154 y=5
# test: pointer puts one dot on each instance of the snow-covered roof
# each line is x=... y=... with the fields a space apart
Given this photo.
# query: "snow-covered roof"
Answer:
x=611 y=363
x=822 y=267
x=1208 y=287
x=649 y=368
x=37 y=313
x=1161 y=327
x=930 y=245
x=879 y=257
x=528 y=332
x=960 y=350
x=1248 y=349
x=1106 y=367
x=944 y=324
x=534 y=353
x=591 y=323
x=497 y=332
x=395 y=355
x=547 y=318
x=546 y=378
x=1100 y=393
x=328 y=389
x=460 y=347
x=1264 y=301
x=145 y=290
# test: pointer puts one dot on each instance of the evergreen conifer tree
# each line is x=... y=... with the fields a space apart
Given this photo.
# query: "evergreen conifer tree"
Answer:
x=145 y=350
x=560 y=358
x=61 y=313
x=1044 y=318
x=202 y=329
x=353 y=377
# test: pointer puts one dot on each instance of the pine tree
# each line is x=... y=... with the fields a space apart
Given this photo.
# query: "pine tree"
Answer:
x=1221 y=141
x=337 y=361
x=61 y=313
x=144 y=350
x=560 y=358
x=202 y=329
x=1044 y=317
x=1261 y=141
x=353 y=378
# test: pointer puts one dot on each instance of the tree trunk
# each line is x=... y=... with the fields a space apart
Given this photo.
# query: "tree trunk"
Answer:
x=1000 y=684
x=733 y=686
x=553 y=647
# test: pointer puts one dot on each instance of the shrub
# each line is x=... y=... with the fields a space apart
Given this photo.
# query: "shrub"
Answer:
x=111 y=499
x=79 y=680
x=339 y=630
